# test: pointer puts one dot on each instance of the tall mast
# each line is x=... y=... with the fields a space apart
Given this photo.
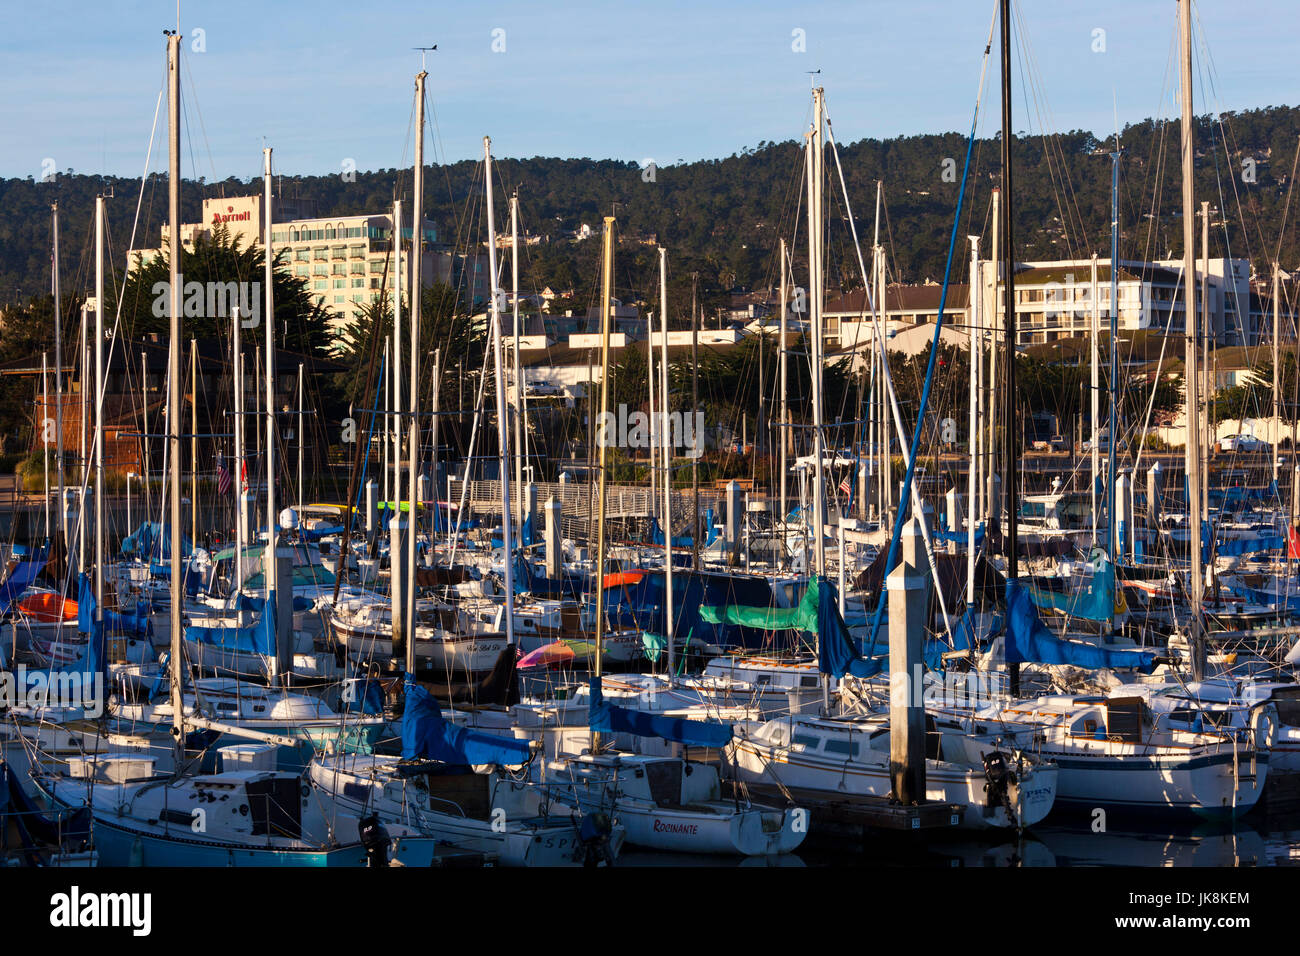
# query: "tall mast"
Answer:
x=194 y=441
x=696 y=527
x=174 y=380
x=972 y=482
x=1191 y=371
x=603 y=436
x=99 y=411
x=1277 y=329
x=1011 y=423
x=396 y=548
x=301 y=497
x=1112 y=523
x=503 y=426
x=665 y=438
x=1095 y=392
x=58 y=380
x=413 y=427
x=284 y=649
x=45 y=442
x=237 y=370
x=815 y=310
x=781 y=359
x=519 y=385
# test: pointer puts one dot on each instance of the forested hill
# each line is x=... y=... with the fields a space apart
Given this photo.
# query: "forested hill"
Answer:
x=722 y=218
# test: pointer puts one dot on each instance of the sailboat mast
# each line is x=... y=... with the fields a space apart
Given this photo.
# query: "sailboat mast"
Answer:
x=58 y=381
x=284 y=648
x=1112 y=523
x=1191 y=372
x=815 y=304
x=413 y=427
x=1012 y=449
x=396 y=550
x=603 y=437
x=237 y=370
x=194 y=441
x=519 y=385
x=784 y=431
x=45 y=443
x=99 y=410
x=1094 y=343
x=174 y=378
x=503 y=421
x=665 y=438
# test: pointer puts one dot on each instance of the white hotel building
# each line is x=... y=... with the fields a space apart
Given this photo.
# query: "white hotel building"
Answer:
x=342 y=258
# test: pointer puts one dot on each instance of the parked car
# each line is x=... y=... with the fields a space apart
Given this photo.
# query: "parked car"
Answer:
x=1244 y=443
x=1103 y=442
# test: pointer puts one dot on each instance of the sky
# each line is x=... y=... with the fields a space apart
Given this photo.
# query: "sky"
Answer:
x=330 y=83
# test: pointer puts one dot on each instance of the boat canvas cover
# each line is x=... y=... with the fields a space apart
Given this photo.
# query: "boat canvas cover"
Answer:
x=136 y=623
x=19 y=580
x=1097 y=602
x=608 y=719
x=426 y=736
x=1029 y=640
x=817 y=613
x=154 y=539
x=259 y=638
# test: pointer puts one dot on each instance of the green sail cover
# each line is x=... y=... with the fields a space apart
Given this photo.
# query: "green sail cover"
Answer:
x=817 y=614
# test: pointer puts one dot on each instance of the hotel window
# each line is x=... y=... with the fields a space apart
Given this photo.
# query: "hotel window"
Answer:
x=329 y=233
x=320 y=252
x=358 y=283
x=358 y=268
x=320 y=269
x=302 y=255
x=339 y=252
x=318 y=284
x=338 y=299
x=377 y=265
x=358 y=252
x=302 y=271
x=339 y=268
x=340 y=283
x=374 y=283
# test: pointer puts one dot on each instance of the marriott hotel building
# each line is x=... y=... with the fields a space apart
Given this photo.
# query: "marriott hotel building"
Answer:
x=342 y=258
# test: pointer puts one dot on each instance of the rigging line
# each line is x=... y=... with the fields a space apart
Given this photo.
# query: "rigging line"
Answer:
x=929 y=377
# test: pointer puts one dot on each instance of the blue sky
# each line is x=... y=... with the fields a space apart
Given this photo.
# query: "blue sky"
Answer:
x=328 y=81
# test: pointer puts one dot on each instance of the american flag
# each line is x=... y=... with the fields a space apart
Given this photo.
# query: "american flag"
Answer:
x=846 y=487
x=224 y=479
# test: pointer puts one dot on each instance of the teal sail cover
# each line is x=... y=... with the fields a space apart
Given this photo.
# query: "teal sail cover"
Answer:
x=426 y=736
x=1029 y=640
x=608 y=719
x=1096 y=602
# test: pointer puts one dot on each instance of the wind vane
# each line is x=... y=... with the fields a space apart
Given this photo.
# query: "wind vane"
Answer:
x=424 y=51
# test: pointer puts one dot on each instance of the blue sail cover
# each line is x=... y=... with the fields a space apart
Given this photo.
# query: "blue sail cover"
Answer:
x=259 y=638
x=19 y=580
x=960 y=537
x=1028 y=639
x=657 y=536
x=1096 y=602
x=252 y=602
x=608 y=719
x=836 y=654
x=135 y=623
x=426 y=736
x=368 y=695
x=1234 y=547
x=153 y=539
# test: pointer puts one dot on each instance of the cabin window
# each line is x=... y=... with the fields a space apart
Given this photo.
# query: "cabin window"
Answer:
x=847 y=747
x=808 y=682
x=806 y=741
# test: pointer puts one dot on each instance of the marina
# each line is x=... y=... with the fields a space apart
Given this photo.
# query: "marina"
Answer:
x=453 y=520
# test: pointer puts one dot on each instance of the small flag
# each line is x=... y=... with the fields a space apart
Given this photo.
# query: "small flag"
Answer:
x=846 y=487
x=224 y=479
x=243 y=475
